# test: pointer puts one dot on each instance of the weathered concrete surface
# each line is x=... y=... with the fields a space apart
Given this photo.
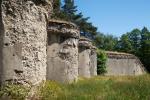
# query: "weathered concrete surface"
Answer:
x=23 y=36
x=93 y=61
x=85 y=57
x=62 y=51
x=123 y=64
x=1 y=43
x=84 y=63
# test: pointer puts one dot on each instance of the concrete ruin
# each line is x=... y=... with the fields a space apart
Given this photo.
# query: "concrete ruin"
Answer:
x=62 y=51
x=123 y=64
x=33 y=48
x=87 y=58
x=93 y=61
x=23 y=39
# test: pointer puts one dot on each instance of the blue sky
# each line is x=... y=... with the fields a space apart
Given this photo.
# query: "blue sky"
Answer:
x=116 y=16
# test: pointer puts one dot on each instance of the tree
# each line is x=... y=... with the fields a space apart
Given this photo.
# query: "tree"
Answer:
x=69 y=9
x=135 y=39
x=145 y=48
x=110 y=42
x=99 y=40
x=143 y=32
x=124 y=45
x=56 y=8
x=56 y=5
x=57 y=11
x=101 y=62
x=87 y=29
x=106 y=42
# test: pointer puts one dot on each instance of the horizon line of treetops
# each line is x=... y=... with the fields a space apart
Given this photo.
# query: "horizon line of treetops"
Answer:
x=136 y=42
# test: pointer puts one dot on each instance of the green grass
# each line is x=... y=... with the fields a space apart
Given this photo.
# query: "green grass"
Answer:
x=97 y=88
x=100 y=88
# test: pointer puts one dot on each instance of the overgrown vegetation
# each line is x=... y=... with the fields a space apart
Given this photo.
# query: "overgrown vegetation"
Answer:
x=101 y=61
x=51 y=90
x=100 y=88
x=14 y=92
x=97 y=88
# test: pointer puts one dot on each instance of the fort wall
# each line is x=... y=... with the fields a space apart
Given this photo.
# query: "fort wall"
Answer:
x=123 y=64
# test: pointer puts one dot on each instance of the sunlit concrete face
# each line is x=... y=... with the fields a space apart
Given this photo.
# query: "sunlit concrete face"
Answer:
x=62 y=52
x=93 y=61
x=87 y=58
x=123 y=64
x=23 y=38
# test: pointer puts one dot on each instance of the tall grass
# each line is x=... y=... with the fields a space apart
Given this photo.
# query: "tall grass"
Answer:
x=97 y=88
x=103 y=88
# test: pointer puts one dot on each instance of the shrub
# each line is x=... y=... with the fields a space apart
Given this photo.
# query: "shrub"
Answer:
x=15 y=92
x=101 y=61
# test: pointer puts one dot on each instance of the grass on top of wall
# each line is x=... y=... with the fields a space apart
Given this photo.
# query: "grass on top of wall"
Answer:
x=100 y=88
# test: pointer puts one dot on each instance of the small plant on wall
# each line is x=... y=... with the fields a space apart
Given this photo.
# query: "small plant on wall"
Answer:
x=101 y=62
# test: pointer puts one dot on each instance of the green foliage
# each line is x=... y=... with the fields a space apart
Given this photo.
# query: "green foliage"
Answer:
x=101 y=62
x=15 y=92
x=145 y=48
x=50 y=91
x=86 y=28
x=106 y=42
x=69 y=8
x=65 y=12
x=124 y=45
x=135 y=39
x=57 y=12
x=56 y=5
x=68 y=12
x=130 y=42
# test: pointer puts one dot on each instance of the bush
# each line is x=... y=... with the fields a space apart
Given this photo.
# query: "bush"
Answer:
x=101 y=62
x=15 y=92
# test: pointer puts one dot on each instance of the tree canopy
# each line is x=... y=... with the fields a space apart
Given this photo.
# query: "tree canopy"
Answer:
x=68 y=12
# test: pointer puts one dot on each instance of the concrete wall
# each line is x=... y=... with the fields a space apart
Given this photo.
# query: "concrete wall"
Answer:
x=93 y=62
x=1 y=43
x=62 y=52
x=28 y=56
x=87 y=58
x=23 y=36
x=125 y=65
x=84 y=62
